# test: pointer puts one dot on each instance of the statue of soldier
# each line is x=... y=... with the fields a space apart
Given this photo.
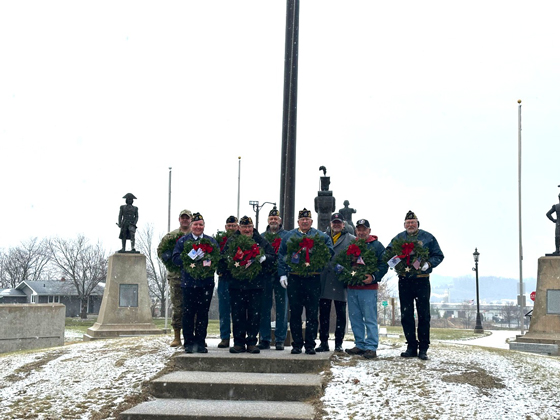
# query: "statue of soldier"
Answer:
x=128 y=217
x=555 y=209
x=347 y=214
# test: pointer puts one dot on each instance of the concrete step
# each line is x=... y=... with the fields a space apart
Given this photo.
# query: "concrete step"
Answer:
x=267 y=361
x=238 y=386
x=175 y=409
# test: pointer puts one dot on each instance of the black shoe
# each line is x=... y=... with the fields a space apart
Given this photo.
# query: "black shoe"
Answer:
x=254 y=349
x=189 y=348
x=296 y=350
x=310 y=351
x=324 y=346
x=422 y=354
x=237 y=349
x=409 y=353
x=202 y=349
x=264 y=345
x=339 y=349
x=355 y=351
x=279 y=346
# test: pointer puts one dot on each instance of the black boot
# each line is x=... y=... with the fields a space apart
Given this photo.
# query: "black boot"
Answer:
x=324 y=346
x=410 y=352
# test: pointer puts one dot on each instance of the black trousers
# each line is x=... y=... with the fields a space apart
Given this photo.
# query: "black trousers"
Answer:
x=324 y=320
x=196 y=304
x=415 y=290
x=304 y=292
x=245 y=315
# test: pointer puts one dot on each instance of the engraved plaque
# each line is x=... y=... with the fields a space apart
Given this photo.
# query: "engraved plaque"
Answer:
x=128 y=295
x=553 y=301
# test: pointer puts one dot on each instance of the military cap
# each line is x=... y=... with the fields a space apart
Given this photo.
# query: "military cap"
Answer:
x=304 y=213
x=362 y=222
x=231 y=219
x=274 y=212
x=129 y=195
x=337 y=216
x=246 y=220
x=197 y=217
x=187 y=212
x=410 y=215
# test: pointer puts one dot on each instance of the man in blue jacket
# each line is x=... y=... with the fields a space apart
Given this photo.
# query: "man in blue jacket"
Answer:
x=197 y=293
x=417 y=288
x=303 y=292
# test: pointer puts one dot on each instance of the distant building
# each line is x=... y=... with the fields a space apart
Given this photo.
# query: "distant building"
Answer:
x=53 y=291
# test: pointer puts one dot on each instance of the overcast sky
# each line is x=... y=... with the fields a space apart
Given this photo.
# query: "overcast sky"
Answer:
x=410 y=106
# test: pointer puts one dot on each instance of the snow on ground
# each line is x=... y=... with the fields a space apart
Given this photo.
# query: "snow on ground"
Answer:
x=92 y=380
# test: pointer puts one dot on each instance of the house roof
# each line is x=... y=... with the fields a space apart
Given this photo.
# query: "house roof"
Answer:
x=55 y=287
x=12 y=292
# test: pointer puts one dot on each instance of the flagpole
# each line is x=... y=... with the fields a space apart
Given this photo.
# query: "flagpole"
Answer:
x=238 y=185
x=521 y=294
x=169 y=230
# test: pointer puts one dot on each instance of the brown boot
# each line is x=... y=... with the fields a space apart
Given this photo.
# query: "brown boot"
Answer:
x=177 y=340
x=224 y=344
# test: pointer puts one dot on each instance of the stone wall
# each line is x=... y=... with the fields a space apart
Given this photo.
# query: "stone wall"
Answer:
x=31 y=326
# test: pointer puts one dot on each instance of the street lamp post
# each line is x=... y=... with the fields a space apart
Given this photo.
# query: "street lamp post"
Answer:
x=478 y=327
x=257 y=209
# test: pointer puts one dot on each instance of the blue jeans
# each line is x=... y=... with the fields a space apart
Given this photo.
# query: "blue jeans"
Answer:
x=224 y=308
x=281 y=299
x=362 y=311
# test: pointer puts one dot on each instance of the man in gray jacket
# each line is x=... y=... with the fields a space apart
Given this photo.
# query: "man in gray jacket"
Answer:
x=333 y=290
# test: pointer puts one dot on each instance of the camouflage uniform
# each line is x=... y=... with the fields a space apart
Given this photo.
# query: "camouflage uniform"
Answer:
x=175 y=290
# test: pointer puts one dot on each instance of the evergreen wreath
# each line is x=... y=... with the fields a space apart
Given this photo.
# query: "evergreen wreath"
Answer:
x=411 y=254
x=204 y=266
x=275 y=240
x=355 y=262
x=222 y=237
x=169 y=245
x=243 y=258
x=307 y=256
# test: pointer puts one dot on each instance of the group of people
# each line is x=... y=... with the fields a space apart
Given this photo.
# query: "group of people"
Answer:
x=246 y=304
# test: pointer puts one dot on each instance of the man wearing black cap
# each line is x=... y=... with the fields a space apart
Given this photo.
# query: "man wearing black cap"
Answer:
x=197 y=293
x=174 y=278
x=224 y=303
x=275 y=233
x=303 y=292
x=246 y=295
x=362 y=299
x=417 y=288
x=333 y=290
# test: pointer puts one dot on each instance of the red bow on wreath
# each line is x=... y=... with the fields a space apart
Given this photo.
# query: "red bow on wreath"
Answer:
x=206 y=248
x=246 y=256
x=307 y=244
x=223 y=242
x=407 y=249
x=353 y=250
x=276 y=244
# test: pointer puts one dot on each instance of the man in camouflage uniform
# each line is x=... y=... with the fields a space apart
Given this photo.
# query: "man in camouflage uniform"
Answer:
x=174 y=278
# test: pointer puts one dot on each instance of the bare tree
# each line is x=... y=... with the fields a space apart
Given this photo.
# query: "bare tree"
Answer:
x=28 y=261
x=82 y=263
x=156 y=271
x=509 y=312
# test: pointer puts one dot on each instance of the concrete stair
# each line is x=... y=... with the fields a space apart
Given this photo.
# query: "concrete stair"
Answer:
x=219 y=385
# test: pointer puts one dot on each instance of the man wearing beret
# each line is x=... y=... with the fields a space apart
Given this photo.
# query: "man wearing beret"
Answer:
x=272 y=286
x=417 y=288
x=197 y=293
x=224 y=304
x=333 y=290
x=174 y=278
x=303 y=292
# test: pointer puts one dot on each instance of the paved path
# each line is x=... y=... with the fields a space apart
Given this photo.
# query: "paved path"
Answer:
x=497 y=339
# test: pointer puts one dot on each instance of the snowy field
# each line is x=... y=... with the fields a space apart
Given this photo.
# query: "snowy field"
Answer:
x=97 y=380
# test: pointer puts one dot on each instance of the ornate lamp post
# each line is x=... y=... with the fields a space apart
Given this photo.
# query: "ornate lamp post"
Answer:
x=478 y=327
x=257 y=209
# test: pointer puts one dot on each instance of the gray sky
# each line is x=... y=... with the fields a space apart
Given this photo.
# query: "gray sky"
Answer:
x=410 y=106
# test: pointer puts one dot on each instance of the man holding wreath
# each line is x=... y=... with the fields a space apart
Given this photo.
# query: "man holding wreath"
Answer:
x=418 y=252
x=303 y=254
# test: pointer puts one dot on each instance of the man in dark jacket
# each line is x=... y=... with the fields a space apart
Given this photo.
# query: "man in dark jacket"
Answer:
x=333 y=290
x=303 y=292
x=362 y=299
x=417 y=288
x=274 y=234
x=197 y=293
x=246 y=295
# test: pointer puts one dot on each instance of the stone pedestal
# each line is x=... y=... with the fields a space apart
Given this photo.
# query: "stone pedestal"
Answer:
x=125 y=309
x=544 y=333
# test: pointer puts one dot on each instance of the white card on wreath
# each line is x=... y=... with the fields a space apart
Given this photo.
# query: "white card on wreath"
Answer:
x=393 y=261
x=192 y=254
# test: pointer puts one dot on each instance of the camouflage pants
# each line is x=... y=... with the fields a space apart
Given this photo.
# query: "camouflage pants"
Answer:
x=176 y=301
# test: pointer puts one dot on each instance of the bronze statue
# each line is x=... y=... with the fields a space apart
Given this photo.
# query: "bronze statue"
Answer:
x=324 y=202
x=347 y=214
x=555 y=209
x=128 y=217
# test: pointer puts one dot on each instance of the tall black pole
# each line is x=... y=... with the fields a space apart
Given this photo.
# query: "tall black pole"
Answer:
x=478 y=326
x=289 y=119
